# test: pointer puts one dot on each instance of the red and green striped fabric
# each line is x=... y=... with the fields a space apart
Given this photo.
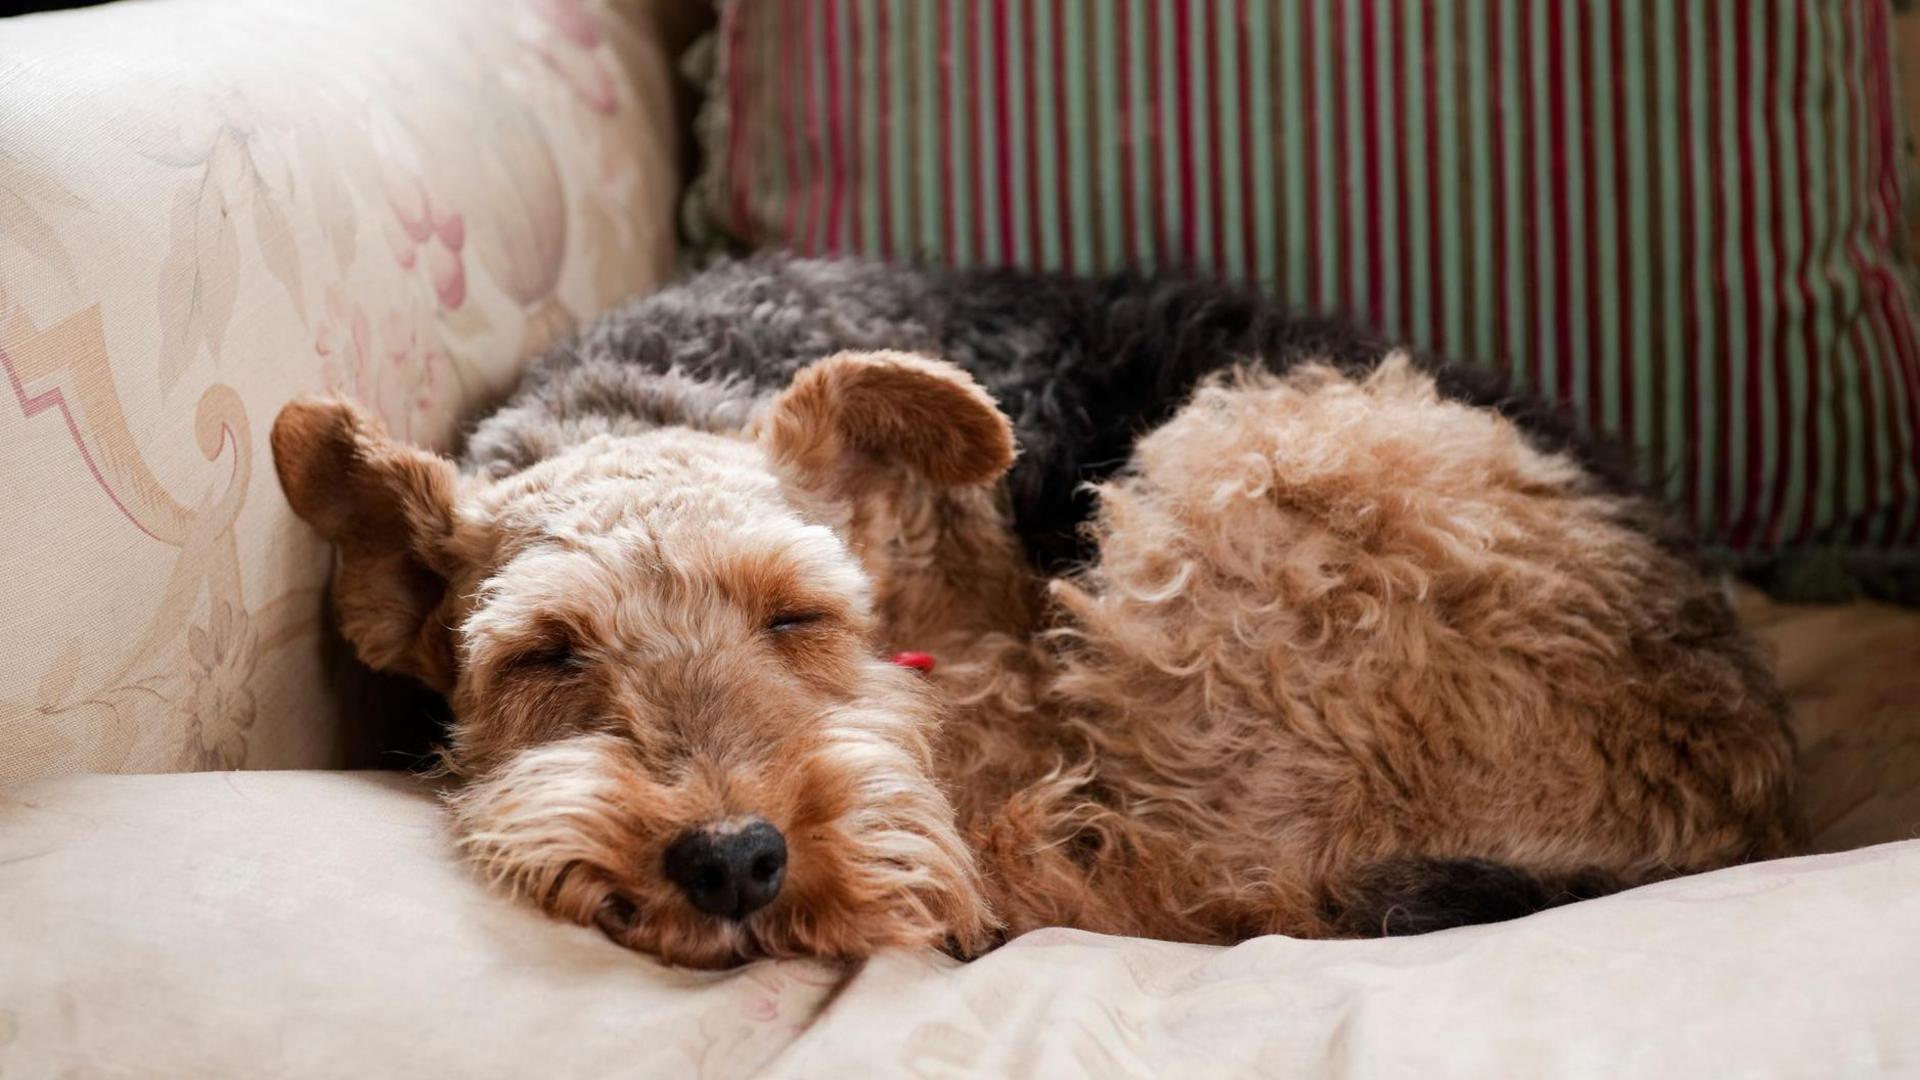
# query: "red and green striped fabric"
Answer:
x=1678 y=216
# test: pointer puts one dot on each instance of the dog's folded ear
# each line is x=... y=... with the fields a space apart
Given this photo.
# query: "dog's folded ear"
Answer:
x=879 y=408
x=389 y=510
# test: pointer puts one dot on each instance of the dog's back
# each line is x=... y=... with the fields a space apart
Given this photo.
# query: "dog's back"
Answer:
x=1083 y=366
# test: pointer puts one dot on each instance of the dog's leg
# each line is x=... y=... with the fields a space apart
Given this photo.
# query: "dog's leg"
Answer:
x=1414 y=895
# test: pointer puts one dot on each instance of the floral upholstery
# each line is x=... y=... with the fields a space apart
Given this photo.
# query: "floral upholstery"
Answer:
x=210 y=206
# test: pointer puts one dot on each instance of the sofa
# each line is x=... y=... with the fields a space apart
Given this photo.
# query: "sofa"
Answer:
x=214 y=859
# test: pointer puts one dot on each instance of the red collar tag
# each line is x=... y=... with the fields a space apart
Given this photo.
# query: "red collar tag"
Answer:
x=918 y=661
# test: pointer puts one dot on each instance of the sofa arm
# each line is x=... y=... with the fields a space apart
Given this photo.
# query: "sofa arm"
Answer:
x=210 y=206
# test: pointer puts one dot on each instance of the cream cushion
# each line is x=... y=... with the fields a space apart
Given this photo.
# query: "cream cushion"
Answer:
x=210 y=206
x=315 y=924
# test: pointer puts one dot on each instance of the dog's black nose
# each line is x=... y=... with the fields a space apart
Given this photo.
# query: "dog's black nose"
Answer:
x=726 y=871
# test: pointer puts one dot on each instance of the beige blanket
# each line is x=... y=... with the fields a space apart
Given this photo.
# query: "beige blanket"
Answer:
x=315 y=924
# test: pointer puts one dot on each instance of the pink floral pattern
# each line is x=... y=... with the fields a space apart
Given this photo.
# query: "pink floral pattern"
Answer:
x=343 y=341
x=421 y=234
x=569 y=40
x=413 y=374
x=402 y=371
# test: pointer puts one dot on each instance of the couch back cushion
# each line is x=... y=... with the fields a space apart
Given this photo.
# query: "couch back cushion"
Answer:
x=1679 y=219
x=210 y=206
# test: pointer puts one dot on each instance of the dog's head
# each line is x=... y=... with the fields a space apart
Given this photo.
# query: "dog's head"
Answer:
x=672 y=718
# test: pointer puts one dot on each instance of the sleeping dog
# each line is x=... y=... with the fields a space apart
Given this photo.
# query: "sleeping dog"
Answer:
x=808 y=608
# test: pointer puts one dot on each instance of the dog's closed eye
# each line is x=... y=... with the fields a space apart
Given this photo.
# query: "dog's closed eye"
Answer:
x=788 y=621
x=554 y=653
x=546 y=658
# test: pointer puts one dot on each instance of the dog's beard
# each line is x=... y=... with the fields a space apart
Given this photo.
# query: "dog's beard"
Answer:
x=579 y=827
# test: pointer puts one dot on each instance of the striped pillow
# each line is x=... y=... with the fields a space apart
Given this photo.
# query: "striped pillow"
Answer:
x=1679 y=218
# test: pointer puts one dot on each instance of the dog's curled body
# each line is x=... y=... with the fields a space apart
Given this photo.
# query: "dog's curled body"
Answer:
x=1337 y=641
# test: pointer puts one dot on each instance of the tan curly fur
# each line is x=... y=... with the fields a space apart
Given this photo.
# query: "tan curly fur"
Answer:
x=1333 y=620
